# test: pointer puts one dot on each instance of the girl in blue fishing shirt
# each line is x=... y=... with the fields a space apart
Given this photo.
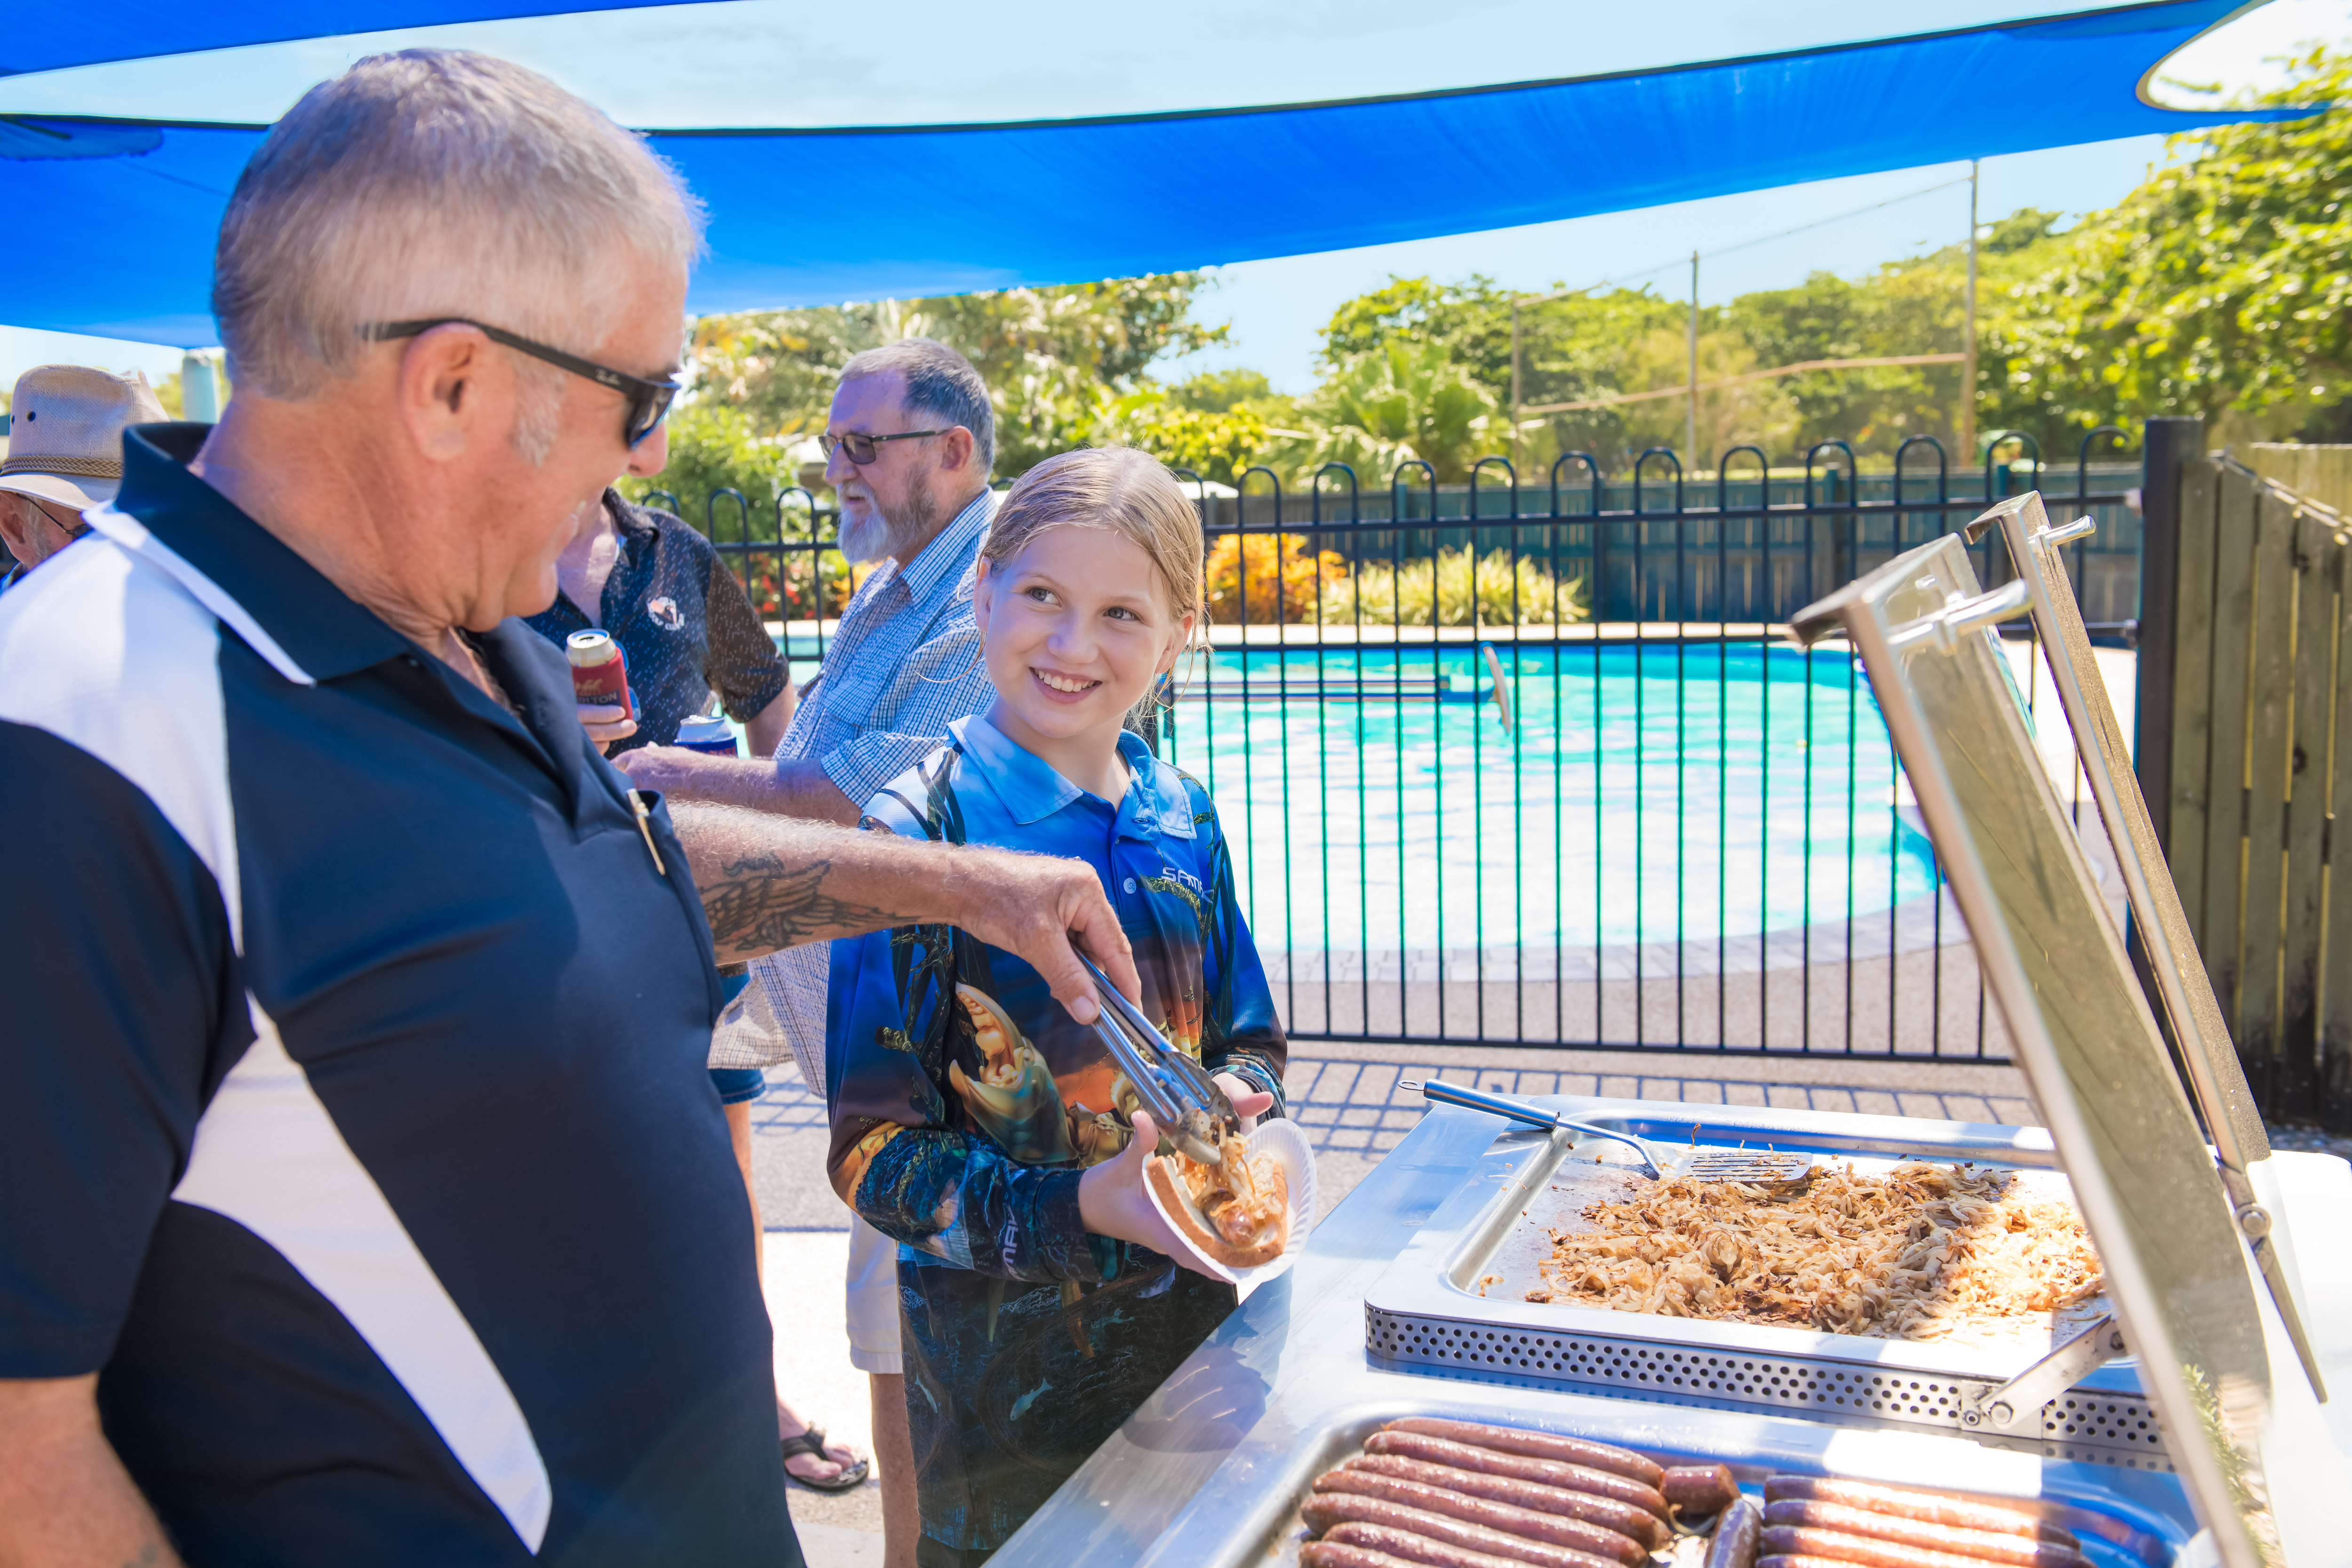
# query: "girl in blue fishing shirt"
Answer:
x=973 y=1119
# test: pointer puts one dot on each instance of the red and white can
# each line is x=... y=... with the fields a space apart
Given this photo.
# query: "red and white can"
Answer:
x=600 y=674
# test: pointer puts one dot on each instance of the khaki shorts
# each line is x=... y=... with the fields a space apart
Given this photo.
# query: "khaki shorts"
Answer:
x=872 y=1304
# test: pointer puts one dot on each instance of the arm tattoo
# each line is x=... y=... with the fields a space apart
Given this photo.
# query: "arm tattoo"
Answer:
x=760 y=904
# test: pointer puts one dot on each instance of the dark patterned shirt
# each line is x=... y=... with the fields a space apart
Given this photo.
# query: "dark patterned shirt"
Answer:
x=683 y=623
x=966 y=1101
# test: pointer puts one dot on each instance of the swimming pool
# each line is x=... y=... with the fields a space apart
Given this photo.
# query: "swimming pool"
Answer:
x=1661 y=792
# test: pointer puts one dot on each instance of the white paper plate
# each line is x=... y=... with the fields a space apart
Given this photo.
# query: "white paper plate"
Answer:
x=1289 y=1145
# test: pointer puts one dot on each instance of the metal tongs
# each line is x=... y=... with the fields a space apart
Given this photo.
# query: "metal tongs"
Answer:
x=1192 y=1112
x=1762 y=1166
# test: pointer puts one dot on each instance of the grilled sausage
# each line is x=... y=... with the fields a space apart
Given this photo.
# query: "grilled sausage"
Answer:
x=1790 y=1561
x=1639 y=1523
x=2022 y=1551
x=1326 y=1513
x=1737 y=1535
x=1536 y=1444
x=1502 y=1516
x=1925 y=1507
x=1699 y=1490
x=1798 y=1540
x=1495 y=1462
x=1411 y=1548
x=1338 y=1554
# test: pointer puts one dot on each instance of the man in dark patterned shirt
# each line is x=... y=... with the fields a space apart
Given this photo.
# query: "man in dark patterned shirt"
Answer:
x=682 y=621
x=688 y=629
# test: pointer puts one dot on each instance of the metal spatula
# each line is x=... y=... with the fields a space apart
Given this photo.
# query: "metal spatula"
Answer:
x=1763 y=1166
x=1759 y=1166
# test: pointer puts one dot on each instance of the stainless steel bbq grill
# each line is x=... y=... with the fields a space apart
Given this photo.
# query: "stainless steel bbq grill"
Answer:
x=2180 y=1430
x=1454 y=1301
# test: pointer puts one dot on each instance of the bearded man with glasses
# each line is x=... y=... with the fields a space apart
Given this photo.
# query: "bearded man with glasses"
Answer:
x=359 y=1008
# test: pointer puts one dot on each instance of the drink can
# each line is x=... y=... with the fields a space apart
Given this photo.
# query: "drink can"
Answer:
x=708 y=733
x=600 y=675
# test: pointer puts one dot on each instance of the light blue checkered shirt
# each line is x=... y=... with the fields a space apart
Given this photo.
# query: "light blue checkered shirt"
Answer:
x=903 y=666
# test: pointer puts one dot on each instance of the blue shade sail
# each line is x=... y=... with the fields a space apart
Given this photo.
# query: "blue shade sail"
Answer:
x=990 y=206
x=52 y=37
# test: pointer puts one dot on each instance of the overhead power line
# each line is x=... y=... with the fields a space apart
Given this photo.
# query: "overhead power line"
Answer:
x=1798 y=369
x=1744 y=244
x=1840 y=218
x=1693 y=389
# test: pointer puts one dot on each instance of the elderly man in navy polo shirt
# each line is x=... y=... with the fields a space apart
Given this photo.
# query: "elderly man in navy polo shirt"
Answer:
x=362 y=1196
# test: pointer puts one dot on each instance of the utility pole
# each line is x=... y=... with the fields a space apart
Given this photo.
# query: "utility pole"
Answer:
x=1690 y=420
x=1969 y=340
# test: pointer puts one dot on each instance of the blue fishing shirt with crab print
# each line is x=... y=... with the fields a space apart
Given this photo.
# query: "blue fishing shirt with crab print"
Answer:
x=965 y=1103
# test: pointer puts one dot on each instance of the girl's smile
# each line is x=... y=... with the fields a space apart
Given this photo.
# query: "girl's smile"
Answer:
x=1063 y=686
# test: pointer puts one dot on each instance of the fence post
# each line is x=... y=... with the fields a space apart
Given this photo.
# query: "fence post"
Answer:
x=2169 y=442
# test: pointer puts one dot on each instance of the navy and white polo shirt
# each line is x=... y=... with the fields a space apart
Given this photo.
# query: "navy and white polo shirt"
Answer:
x=353 y=1122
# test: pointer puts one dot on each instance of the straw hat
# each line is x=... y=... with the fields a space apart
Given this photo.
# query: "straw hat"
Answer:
x=65 y=432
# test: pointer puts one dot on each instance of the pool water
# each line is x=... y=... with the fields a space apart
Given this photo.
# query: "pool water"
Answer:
x=1655 y=794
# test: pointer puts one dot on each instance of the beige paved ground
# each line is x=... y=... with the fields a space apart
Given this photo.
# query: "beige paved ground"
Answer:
x=803 y=1271
x=1347 y=1098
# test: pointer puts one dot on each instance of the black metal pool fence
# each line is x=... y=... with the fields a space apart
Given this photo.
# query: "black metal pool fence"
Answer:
x=1513 y=763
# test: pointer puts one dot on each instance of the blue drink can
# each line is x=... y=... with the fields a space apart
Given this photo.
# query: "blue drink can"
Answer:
x=708 y=733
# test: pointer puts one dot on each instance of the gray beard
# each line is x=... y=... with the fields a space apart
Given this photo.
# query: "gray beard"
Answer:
x=880 y=532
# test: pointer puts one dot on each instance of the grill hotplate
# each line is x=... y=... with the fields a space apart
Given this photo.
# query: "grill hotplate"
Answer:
x=1453 y=1304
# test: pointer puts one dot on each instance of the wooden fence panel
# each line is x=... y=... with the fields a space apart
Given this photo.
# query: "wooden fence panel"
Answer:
x=2261 y=771
x=2270 y=708
x=2335 y=1002
x=2192 y=700
x=2225 y=757
x=2304 y=869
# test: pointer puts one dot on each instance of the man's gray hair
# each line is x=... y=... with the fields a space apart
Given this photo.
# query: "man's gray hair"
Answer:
x=941 y=386
x=436 y=182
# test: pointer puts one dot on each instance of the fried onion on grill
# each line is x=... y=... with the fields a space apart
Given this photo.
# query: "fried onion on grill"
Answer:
x=1919 y=1253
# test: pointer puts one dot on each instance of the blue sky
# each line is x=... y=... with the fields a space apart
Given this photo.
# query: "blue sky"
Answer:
x=794 y=62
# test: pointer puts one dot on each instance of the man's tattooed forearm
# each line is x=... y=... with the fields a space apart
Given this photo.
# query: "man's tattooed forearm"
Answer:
x=760 y=904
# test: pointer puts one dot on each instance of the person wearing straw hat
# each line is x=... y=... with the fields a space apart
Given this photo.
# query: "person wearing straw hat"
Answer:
x=65 y=454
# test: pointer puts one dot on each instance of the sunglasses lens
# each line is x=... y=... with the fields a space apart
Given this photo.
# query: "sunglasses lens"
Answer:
x=647 y=413
x=860 y=445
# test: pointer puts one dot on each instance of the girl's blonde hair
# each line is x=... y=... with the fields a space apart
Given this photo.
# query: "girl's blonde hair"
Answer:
x=1117 y=489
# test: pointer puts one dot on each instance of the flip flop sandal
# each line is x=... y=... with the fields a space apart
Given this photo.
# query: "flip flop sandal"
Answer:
x=812 y=1442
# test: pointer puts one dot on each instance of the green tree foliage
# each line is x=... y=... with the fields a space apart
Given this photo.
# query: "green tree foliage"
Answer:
x=1472 y=320
x=1221 y=390
x=1391 y=404
x=716 y=445
x=1590 y=345
x=1211 y=444
x=2220 y=286
x=1057 y=360
x=779 y=367
x=1904 y=308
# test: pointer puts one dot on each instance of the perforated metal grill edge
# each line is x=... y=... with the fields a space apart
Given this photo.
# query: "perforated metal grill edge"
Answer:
x=2083 y=1424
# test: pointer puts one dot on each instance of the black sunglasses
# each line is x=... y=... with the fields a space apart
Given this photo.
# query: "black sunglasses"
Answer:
x=649 y=401
x=73 y=528
x=861 y=445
